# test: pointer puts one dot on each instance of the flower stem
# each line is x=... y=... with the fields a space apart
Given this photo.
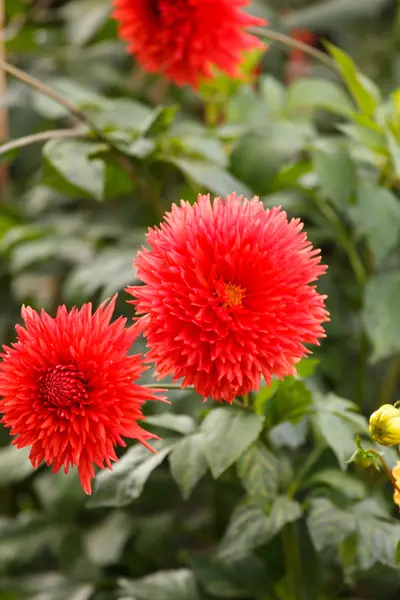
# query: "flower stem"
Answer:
x=242 y=402
x=361 y=370
x=385 y=468
x=211 y=113
x=293 y=561
x=42 y=136
x=167 y=386
x=303 y=471
x=343 y=237
x=355 y=261
x=281 y=38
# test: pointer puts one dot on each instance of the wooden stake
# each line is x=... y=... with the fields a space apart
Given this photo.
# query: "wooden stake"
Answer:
x=3 y=108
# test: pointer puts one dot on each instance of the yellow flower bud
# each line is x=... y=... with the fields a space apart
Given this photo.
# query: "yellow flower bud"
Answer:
x=384 y=425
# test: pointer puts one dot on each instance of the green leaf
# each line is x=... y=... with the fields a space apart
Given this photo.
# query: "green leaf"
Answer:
x=321 y=15
x=245 y=576
x=66 y=249
x=121 y=114
x=211 y=177
x=24 y=537
x=84 y=19
x=364 y=92
x=366 y=133
x=250 y=527
x=246 y=109
x=163 y=585
x=188 y=463
x=327 y=524
x=104 y=543
x=159 y=120
x=140 y=148
x=394 y=149
x=221 y=86
x=126 y=481
x=70 y=158
x=22 y=233
x=398 y=553
x=266 y=392
x=377 y=541
x=338 y=423
x=345 y=484
x=284 y=511
x=312 y=93
x=258 y=472
x=274 y=94
x=109 y=271
x=330 y=160
x=68 y=88
x=182 y=424
x=291 y=402
x=50 y=586
x=289 y=435
x=117 y=182
x=59 y=493
x=227 y=433
x=377 y=216
x=14 y=465
x=380 y=314
x=259 y=156
x=203 y=147
x=306 y=367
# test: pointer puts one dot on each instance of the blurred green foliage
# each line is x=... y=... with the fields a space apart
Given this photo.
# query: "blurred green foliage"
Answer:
x=248 y=504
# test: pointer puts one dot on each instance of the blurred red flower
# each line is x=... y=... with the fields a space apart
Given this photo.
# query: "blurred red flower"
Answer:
x=183 y=39
x=228 y=295
x=68 y=390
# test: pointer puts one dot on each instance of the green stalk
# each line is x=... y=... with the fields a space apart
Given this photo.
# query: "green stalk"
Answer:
x=274 y=36
x=291 y=551
x=390 y=381
x=304 y=470
x=361 y=370
x=211 y=112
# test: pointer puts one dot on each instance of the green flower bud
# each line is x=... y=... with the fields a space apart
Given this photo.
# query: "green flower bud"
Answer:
x=384 y=425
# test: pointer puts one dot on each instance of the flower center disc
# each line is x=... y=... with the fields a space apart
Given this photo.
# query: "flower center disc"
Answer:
x=63 y=386
x=233 y=295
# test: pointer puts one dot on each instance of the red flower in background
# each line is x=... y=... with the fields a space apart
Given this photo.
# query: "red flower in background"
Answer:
x=68 y=390
x=183 y=39
x=299 y=63
x=228 y=295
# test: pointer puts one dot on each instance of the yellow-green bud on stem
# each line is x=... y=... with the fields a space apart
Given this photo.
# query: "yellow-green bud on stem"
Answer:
x=384 y=425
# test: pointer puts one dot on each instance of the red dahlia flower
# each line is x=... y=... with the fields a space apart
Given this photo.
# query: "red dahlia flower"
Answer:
x=68 y=388
x=183 y=39
x=228 y=295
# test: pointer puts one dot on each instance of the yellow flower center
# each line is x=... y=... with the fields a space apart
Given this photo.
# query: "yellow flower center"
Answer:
x=234 y=295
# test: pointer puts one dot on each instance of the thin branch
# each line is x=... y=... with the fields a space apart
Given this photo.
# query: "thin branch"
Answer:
x=41 y=136
x=120 y=158
x=44 y=89
x=281 y=38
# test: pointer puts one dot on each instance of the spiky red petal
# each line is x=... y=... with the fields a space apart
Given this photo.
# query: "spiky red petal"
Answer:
x=183 y=39
x=68 y=388
x=227 y=289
